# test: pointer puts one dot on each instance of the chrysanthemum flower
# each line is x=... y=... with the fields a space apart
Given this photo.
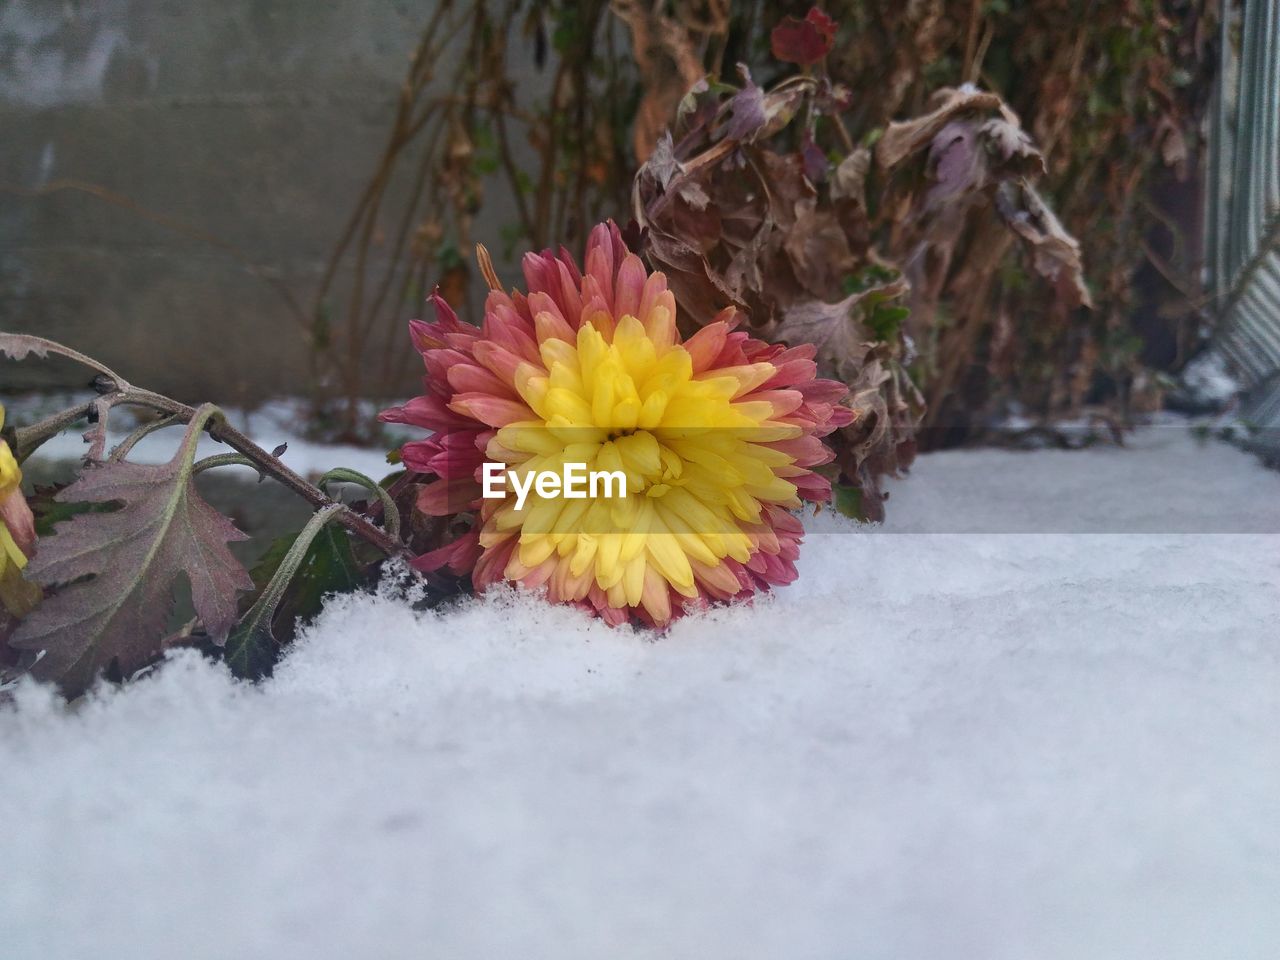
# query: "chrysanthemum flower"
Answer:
x=17 y=535
x=716 y=435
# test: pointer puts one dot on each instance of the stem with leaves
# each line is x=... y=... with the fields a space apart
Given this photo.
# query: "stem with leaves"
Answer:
x=114 y=390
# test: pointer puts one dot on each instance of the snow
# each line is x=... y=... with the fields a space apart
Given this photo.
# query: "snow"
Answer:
x=983 y=745
x=1208 y=379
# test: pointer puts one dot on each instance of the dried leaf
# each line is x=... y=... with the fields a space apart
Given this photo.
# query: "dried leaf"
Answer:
x=19 y=346
x=132 y=558
x=803 y=41
x=880 y=442
x=96 y=435
x=836 y=329
x=850 y=179
x=903 y=138
x=817 y=248
x=1054 y=252
x=746 y=109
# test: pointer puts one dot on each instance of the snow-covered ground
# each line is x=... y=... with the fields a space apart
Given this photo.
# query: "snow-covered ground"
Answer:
x=965 y=746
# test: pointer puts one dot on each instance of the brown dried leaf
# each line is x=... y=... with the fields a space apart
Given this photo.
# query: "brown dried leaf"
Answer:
x=880 y=441
x=817 y=248
x=836 y=329
x=904 y=138
x=850 y=179
x=1054 y=252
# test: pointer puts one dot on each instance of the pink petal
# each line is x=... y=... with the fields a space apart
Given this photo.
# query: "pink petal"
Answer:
x=428 y=411
x=705 y=345
x=570 y=298
x=444 y=498
x=491 y=410
x=630 y=287
x=459 y=556
x=470 y=378
x=498 y=359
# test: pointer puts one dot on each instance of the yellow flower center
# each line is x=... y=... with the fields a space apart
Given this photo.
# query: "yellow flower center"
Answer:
x=698 y=473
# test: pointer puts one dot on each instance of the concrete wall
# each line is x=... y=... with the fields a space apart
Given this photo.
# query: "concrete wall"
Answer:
x=258 y=121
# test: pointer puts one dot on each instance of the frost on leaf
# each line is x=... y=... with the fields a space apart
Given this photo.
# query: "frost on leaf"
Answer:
x=115 y=572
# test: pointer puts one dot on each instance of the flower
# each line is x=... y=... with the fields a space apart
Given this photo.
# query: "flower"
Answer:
x=17 y=535
x=716 y=435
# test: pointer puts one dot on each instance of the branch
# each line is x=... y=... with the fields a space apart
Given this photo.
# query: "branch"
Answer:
x=115 y=390
x=27 y=439
x=221 y=430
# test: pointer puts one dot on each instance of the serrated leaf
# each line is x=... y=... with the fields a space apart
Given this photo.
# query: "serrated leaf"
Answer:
x=116 y=571
x=18 y=346
x=50 y=511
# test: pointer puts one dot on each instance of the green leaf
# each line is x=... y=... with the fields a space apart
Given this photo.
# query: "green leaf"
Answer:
x=251 y=648
x=885 y=321
x=329 y=566
x=849 y=501
x=293 y=577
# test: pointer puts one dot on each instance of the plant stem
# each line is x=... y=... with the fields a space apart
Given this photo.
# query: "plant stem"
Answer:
x=220 y=429
x=116 y=391
x=26 y=439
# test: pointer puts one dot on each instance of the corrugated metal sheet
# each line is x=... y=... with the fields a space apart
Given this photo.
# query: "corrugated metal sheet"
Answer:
x=1244 y=214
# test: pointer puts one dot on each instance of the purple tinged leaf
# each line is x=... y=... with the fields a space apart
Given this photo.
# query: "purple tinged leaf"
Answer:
x=904 y=138
x=815 y=161
x=746 y=108
x=18 y=346
x=133 y=558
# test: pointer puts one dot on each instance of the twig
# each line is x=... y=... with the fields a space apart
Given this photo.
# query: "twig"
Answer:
x=115 y=390
x=222 y=430
x=27 y=439
x=123 y=448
